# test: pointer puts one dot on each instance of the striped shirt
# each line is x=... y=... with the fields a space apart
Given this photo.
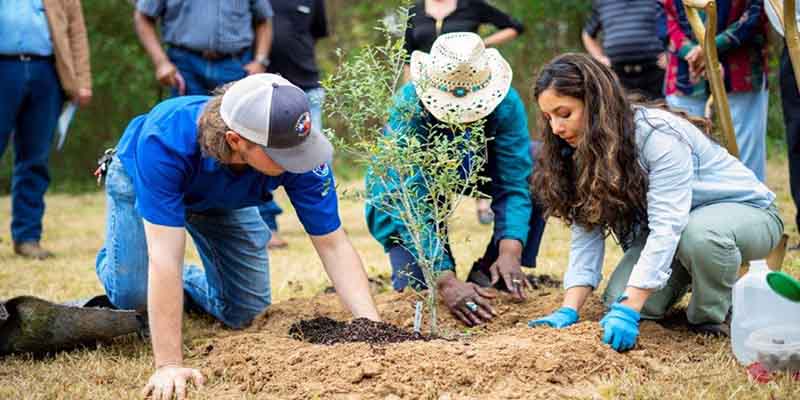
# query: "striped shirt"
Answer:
x=630 y=29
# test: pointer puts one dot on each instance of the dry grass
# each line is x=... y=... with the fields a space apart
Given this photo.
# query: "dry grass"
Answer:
x=74 y=230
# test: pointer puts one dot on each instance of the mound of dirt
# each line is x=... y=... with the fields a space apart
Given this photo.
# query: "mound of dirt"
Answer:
x=323 y=330
x=503 y=359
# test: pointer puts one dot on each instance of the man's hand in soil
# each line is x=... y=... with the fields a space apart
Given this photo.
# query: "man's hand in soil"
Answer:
x=171 y=379
x=621 y=327
x=467 y=301
x=562 y=318
x=507 y=266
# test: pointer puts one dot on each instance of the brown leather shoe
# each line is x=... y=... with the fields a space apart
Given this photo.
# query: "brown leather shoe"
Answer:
x=32 y=250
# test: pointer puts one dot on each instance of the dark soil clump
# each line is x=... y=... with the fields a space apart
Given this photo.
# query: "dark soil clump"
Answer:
x=323 y=330
x=543 y=281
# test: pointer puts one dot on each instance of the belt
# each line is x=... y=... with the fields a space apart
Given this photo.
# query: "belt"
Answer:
x=210 y=55
x=635 y=68
x=25 y=57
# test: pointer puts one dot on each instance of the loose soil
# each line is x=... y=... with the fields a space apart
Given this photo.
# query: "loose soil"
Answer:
x=503 y=359
x=323 y=330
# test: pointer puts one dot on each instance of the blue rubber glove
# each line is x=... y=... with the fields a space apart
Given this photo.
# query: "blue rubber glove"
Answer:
x=620 y=327
x=562 y=318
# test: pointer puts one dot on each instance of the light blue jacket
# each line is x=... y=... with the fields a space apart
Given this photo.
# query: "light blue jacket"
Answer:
x=685 y=170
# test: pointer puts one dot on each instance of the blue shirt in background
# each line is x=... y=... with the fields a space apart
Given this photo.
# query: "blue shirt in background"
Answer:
x=24 y=29
x=224 y=26
x=171 y=176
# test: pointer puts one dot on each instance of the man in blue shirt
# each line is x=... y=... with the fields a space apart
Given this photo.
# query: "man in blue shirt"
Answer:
x=201 y=165
x=461 y=80
x=44 y=59
x=210 y=42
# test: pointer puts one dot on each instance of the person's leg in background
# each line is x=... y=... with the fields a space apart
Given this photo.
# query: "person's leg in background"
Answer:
x=11 y=101
x=749 y=115
x=692 y=105
x=790 y=100
x=30 y=107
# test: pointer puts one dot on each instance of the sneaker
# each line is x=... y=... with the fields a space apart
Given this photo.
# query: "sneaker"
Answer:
x=32 y=250
x=716 y=330
x=722 y=329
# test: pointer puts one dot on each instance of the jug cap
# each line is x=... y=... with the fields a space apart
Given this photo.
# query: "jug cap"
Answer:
x=785 y=285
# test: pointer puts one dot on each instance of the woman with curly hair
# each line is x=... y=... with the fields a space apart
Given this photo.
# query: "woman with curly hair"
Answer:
x=686 y=213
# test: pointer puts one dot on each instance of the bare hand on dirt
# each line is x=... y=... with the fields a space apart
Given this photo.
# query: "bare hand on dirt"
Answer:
x=170 y=380
x=254 y=67
x=467 y=301
x=168 y=75
x=84 y=97
x=508 y=268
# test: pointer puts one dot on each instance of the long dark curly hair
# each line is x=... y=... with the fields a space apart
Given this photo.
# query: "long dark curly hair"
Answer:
x=600 y=183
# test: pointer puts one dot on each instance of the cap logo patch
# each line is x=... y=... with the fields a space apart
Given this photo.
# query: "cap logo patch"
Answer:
x=303 y=125
x=321 y=170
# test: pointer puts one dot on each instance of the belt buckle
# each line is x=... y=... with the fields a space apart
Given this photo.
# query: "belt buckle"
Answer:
x=210 y=55
x=24 y=57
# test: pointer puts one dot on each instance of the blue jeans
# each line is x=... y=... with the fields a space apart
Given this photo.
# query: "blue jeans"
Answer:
x=233 y=285
x=203 y=76
x=29 y=106
x=270 y=210
x=749 y=115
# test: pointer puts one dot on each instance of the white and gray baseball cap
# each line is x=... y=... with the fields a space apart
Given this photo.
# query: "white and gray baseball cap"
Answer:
x=270 y=111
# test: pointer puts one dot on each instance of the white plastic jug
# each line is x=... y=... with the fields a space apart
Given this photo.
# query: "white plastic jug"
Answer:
x=756 y=306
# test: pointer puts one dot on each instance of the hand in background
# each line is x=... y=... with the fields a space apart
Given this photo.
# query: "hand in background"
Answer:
x=168 y=75
x=84 y=97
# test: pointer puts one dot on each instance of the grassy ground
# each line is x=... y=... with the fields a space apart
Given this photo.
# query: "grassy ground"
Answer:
x=74 y=230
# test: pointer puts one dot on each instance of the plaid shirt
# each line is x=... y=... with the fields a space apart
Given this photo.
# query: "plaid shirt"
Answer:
x=741 y=44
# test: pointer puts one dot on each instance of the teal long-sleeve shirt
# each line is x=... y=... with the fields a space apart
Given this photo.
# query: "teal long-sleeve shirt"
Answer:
x=508 y=167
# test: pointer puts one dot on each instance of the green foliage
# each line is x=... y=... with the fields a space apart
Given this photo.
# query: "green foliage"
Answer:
x=417 y=175
x=124 y=83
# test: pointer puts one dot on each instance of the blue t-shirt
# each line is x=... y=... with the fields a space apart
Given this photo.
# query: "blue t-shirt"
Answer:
x=160 y=153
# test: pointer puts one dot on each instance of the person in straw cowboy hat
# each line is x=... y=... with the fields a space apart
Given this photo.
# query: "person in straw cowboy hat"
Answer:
x=463 y=82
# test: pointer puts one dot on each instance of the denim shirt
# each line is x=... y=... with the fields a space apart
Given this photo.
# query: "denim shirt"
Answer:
x=223 y=26
x=23 y=28
x=685 y=170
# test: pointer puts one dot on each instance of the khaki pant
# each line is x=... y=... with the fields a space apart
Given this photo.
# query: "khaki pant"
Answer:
x=717 y=240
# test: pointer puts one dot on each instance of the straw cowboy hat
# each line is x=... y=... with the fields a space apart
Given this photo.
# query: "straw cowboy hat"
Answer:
x=460 y=80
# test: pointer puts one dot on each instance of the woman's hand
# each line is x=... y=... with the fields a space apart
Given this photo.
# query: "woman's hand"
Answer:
x=561 y=318
x=620 y=327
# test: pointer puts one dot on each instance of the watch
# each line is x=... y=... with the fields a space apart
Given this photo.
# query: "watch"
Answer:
x=263 y=61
